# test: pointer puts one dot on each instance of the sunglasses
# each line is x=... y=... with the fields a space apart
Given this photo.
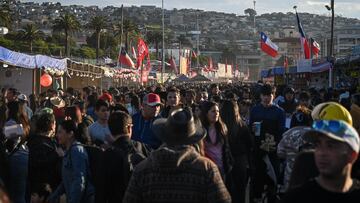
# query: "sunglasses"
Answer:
x=332 y=126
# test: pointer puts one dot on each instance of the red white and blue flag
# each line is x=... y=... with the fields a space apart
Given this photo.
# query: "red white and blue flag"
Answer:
x=315 y=47
x=304 y=42
x=125 y=59
x=268 y=46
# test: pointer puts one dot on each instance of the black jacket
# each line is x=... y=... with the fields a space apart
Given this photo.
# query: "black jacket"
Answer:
x=116 y=179
x=44 y=164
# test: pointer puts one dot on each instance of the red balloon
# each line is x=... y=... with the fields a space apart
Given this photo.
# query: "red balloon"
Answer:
x=45 y=80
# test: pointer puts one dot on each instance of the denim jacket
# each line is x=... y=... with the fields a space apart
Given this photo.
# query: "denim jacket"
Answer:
x=75 y=176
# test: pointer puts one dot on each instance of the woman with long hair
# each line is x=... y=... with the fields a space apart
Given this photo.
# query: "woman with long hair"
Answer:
x=74 y=113
x=216 y=143
x=18 y=153
x=241 y=143
x=75 y=171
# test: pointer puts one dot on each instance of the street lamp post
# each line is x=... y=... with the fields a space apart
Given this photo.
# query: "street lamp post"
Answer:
x=163 y=44
x=331 y=8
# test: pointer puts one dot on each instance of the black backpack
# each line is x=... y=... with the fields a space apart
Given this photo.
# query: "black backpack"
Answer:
x=96 y=165
x=130 y=158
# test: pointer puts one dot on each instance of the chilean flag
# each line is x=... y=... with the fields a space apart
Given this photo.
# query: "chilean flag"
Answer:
x=268 y=46
x=125 y=59
x=315 y=47
x=303 y=40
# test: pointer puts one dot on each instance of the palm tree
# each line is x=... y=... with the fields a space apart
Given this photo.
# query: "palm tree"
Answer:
x=155 y=37
x=30 y=33
x=5 y=17
x=97 y=23
x=129 y=28
x=69 y=24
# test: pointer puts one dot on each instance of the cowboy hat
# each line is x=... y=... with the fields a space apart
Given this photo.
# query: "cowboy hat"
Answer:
x=180 y=128
x=57 y=102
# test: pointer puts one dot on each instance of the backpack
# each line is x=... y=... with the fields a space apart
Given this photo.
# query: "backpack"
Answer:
x=130 y=158
x=96 y=165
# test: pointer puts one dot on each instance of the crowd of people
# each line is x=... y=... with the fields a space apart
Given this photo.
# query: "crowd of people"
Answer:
x=186 y=143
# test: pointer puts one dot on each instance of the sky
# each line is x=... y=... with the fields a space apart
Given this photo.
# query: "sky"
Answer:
x=346 y=8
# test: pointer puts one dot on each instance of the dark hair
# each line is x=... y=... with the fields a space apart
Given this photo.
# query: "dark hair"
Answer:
x=33 y=102
x=230 y=114
x=303 y=170
x=18 y=114
x=119 y=107
x=101 y=103
x=173 y=89
x=80 y=131
x=135 y=102
x=304 y=96
x=192 y=92
x=267 y=89
x=91 y=99
x=221 y=129
x=356 y=99
x=87 y=90
x=74 y=113
x=3 y=109
x=44 y=122
x=118 y=122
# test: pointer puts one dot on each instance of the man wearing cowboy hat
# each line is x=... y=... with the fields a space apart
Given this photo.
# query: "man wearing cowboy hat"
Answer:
x=176 y=172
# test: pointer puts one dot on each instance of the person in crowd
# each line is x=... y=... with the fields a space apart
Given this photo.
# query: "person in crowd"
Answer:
x=18 y=153
x=33 y=102
x=120 y=159
x=86 y=119
x=106 y=97
x=290 y=103
x=214 y=90
x=11 y=94
x=90 y=106
x=23 y=100
x=355 y=111
x=142 y=121
x=4 y=169
x=172 y=102
x=76 y=183
x=304 y=169
x=129 y=107
x=336 y=149
x=86 y=91
x=304 y=99
x=244 y=108
x=241 y=145
x=190 y=97
x=216 y=143
x=99 y=131
x=301 y=117
x=74 y=113
x=271 y=119
x=58 y=106
x=44 y=155
x=176 y=172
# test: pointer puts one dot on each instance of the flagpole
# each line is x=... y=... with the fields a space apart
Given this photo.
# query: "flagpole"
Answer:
x=331 y=43
x=197 y=41
x=163 y=44
x=121 y=34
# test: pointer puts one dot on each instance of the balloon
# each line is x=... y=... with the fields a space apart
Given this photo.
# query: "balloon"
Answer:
x=45 y=80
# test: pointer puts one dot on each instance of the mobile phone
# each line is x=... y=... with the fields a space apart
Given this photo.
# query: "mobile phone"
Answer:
x=13 y=131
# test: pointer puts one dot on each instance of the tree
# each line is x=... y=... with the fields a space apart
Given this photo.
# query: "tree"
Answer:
x=97 y=23
x=69 y=24
x=249 y=11
x=154 y=37
x=129 y=28
x=5 y=17
x=184 y=41
x=30 y=33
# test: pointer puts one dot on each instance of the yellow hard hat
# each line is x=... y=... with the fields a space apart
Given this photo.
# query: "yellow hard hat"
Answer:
x=331 y=111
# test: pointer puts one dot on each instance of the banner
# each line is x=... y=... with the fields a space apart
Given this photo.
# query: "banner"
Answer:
x=29 y=61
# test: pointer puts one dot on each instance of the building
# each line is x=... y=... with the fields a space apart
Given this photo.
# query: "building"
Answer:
x=345 y=38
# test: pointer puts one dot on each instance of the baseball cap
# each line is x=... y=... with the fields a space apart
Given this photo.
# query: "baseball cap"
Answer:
x=22 y=97
x=335 y=129
x=151 y=99
x=106 y=97
x=331 y=111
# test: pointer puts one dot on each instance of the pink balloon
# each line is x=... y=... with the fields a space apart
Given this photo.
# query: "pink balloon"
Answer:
x=45 y=80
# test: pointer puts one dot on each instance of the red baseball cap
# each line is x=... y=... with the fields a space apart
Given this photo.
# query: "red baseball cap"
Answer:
x=152 y=99
x=106 y=97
